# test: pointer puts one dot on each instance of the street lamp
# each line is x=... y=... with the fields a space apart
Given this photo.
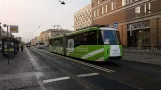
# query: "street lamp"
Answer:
x=5 y=25
x=0 y=30
x=62 y=2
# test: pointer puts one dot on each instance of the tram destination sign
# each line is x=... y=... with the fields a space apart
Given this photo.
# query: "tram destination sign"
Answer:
x=137 y=26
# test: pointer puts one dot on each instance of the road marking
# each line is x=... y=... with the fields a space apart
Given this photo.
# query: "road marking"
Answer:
x=81 y=62
x=56 y=79
x=87 y=75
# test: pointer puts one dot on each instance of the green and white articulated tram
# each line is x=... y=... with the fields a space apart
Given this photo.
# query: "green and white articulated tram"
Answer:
x=92 y=43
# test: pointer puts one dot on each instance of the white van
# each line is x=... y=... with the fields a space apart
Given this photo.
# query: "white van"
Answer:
x=40 y=45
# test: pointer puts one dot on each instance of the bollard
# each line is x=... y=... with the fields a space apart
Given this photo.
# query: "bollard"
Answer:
x=156 y=51
x=134 y=50
x=147 y=50
x=8 y=59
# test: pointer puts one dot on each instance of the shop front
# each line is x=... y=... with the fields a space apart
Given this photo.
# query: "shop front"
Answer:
x=138 y=34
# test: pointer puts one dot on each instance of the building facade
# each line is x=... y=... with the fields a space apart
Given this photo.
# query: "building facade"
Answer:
x=35 y=40
x=56 y=32
x=83 y=17
x=138 y=21
x=46 y=35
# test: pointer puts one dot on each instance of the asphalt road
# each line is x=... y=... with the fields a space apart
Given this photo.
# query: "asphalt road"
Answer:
x=56 y=72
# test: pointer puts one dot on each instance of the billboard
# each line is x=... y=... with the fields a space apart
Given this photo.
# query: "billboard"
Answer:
x=13 y=29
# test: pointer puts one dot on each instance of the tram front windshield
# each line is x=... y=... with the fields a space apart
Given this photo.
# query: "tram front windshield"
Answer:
x=111 y=37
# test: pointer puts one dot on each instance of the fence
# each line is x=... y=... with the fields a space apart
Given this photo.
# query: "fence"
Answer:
x=142 y=51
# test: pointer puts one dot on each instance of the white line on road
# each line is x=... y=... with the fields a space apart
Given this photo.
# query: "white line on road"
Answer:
x=67 y=77
x=56 y=79
x=86 y=75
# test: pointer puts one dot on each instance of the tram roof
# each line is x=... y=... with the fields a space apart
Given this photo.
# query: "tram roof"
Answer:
x=57 y=36
x=86 y=30
x=83 y=30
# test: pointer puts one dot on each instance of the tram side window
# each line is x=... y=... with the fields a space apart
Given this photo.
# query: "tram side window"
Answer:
x=58 y=42
x=92 y=38
x=100 y=39
x=71 y=37
x=86 y=38
x=61 y=41
x=78 y=40
x=51 y=42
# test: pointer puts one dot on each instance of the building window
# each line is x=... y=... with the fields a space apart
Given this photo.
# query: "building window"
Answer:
x=123 y=2
x=112 y=5
x=145 y=9
x=129 y=1
x=106 y=9
x=137 y=9
x=102 y=10
x=97 y=12
x=98 y=1
x=149 y=7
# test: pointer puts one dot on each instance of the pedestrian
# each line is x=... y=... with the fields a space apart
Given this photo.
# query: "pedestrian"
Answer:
x=21 y=47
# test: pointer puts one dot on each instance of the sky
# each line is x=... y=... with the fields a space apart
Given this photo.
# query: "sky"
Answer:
x=30 y=14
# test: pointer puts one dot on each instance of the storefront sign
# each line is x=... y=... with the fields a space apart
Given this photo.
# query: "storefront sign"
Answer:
x=137 y=26
x=13 y=29
x=115 y=25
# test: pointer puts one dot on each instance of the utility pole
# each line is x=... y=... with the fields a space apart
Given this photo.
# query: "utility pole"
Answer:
x=0 y=31
x=7 y=31
x=5 y=25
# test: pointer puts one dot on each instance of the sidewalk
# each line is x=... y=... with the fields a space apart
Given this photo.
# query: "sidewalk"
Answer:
x=144 y=58
x=18 y=75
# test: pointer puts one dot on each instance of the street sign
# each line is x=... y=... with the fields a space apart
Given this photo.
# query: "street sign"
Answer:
x=115 y=25
x=13 y=29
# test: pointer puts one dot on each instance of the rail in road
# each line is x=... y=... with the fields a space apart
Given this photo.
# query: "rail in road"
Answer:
x=55 y=71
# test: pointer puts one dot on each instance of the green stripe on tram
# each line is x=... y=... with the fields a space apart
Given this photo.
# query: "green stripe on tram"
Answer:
x=83 y=50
